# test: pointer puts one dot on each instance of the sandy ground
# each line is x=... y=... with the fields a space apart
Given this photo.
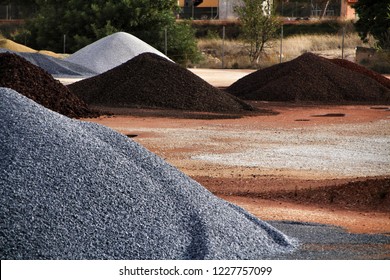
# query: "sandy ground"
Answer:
x=292 y=164
x=217 y=77
x=221 y=77
x=250 y=160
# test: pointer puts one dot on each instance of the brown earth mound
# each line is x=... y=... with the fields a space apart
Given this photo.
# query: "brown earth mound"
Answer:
x=35 y=83
x=363 y=70
x=360 y=194
x=370 y=194
x=310 y=78
x=150 y=81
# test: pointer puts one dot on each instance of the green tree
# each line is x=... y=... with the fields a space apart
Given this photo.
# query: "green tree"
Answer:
x=84 y=22
x=259 y=25
x=374 y=20
x=182 y=47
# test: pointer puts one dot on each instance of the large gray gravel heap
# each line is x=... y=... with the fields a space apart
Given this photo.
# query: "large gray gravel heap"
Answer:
x=111 y=51
x=54 y=66
x=78 y=190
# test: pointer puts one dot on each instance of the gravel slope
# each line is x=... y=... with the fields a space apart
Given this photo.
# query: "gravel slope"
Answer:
x=150 y=81
x=54 y=66
x=77 y=190
x=111 y=51
x=35 y=83
x=310 y=78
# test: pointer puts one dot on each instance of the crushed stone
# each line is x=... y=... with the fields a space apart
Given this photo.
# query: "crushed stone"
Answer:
x=35 y=83
x=111 y=51
x=363 y=70
x=54 y=66
x=150 y=81
x=77 y=190
x=310 y=78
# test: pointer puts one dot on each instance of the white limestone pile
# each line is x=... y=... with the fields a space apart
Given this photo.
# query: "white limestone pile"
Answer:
x=77 y=190
x=111 y=51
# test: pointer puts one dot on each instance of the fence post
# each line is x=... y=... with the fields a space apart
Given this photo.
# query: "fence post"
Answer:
x=281 y=45
x=64 y=49
x=342 y=44
x=166 y=41
x=223 y=47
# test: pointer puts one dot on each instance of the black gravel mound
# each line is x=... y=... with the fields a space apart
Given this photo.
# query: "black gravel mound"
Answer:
x=150 y=81
x=78 y=190
x=363 y=70
x=35 y=83
x=310 y=78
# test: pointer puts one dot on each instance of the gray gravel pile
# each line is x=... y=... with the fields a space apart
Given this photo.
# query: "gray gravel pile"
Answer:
x=54 y=66
x=78 y=190
x=111 y=51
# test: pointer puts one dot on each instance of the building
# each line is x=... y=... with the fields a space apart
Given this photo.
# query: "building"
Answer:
x=208 y=9
x=213 y=9
x=347 y=12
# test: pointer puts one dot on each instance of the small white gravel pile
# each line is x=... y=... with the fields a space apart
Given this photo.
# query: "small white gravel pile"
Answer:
x=111 y=51
x=77 y=190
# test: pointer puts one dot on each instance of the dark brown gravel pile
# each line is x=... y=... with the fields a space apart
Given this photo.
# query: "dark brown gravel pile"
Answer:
x=363 y=70
x=35 y=83
x=310 y=78
x=150 y=81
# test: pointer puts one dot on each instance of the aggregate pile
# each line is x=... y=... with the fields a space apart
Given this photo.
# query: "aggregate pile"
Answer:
x=111 y=51
x=16 y=47
x=309 y=78
x=13 y=46
x=363 y=70
x=78 y=190
x=150 y=81
x=35 y=83
x=54 y=66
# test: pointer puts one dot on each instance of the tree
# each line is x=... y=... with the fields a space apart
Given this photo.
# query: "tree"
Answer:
x=84 y=22
x=374 y=20
x=259 y=25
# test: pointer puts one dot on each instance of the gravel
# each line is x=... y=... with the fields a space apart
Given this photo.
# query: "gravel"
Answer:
x=311 y=150
x=78 y=190
x=111 y=51
x=323 y=242
x=150 y=81
x=54 y=66
x=310 y=78
x=35 y=83
x=363 y=70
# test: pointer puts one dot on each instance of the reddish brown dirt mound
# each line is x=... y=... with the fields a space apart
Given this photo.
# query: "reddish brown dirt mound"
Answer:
x=363 y=70
x=35 y=83
x=150 y=81
x=371 y=194
x=310 y=78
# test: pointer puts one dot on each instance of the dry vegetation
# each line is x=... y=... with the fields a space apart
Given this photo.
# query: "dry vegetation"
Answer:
x=235 y=52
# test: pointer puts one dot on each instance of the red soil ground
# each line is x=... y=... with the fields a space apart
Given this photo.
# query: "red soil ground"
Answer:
x=361 y=204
